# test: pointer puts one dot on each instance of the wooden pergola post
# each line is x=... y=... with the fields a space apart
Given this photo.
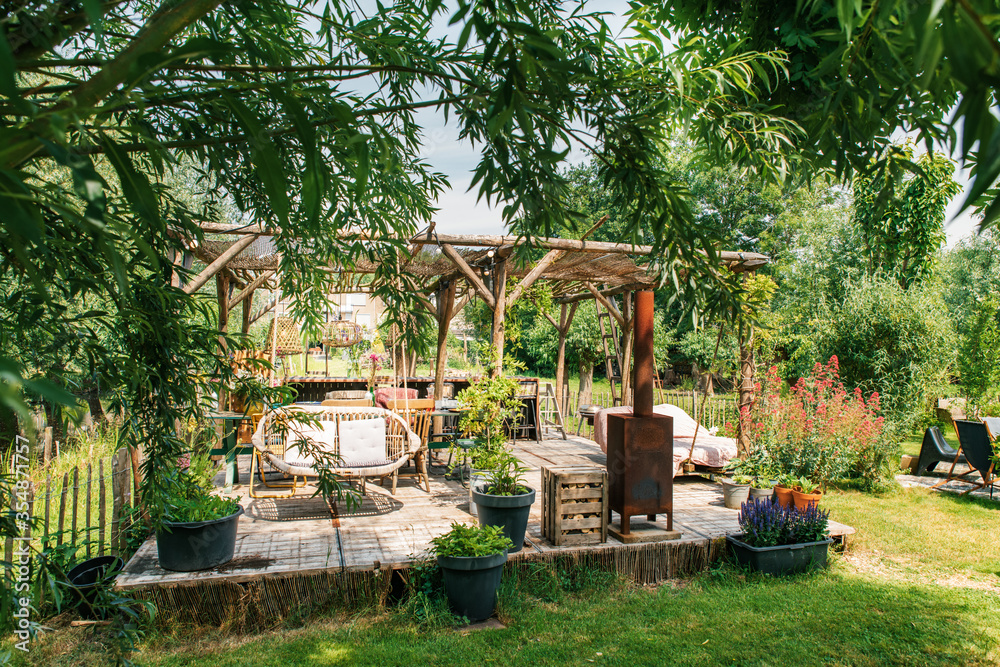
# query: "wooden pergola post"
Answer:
x=222 y=294
x=499 y=312
x=445 y=311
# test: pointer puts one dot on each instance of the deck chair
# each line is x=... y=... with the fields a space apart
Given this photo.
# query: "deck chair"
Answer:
x=417 y=413
x=367 y=441
x=934 y=450
x=974 y=441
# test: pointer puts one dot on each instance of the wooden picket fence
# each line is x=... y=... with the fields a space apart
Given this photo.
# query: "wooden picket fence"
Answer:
x=718 y=409
x=86 y=509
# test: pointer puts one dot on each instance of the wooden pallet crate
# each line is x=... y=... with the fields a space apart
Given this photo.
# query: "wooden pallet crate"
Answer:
x=575 y=505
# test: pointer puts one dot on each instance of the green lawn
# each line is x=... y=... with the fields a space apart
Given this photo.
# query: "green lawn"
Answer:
x=918 y=585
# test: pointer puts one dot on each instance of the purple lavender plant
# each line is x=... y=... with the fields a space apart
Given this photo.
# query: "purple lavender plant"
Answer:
x=766 y=523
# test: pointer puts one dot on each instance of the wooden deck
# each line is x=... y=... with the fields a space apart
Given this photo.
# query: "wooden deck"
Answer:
x=303 y=536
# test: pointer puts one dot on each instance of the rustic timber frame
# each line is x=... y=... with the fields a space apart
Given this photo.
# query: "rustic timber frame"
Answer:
x=451 y=270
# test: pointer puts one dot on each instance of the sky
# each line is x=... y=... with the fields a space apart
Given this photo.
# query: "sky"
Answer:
x=460 y=213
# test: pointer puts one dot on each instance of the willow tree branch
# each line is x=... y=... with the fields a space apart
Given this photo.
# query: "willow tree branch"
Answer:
x=162 y=26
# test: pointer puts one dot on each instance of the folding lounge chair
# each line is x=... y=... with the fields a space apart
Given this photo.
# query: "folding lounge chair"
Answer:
x=975 y=442
x=934 y=450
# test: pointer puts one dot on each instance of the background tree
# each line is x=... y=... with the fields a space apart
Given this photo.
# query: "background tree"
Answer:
x=901 y=216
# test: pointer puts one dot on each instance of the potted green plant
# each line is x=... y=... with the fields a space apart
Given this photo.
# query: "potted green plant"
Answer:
x=198 y=530
x=489 y=405
x=806 y=493
x=783 y=489
x=762 y=487
x=503 y=499
x=779 y=539
x=736 y=487
x=471 y=559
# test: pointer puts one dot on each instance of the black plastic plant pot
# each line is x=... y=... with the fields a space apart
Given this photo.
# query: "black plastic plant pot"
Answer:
x=197 y=545
x=86 y=578
x=471 y=584
x=780 y=560
x=508 y=512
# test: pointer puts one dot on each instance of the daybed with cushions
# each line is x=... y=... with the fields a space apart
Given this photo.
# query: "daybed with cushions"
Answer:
x=365 y=441
x=710 y=450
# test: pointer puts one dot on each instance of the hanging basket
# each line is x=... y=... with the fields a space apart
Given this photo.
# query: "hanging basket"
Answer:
x=341 y=333
x=288 y=339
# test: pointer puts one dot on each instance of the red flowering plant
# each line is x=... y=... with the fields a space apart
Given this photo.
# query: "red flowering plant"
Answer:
x=818 y=429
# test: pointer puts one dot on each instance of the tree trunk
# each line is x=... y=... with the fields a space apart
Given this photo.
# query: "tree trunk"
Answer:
x=586 y=393
x=746 y=392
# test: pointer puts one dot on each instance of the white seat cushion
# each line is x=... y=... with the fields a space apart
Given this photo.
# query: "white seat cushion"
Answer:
x=322 y=435
x=362 y=440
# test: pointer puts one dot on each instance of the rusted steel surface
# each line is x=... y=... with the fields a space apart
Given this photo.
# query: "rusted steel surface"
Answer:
x=643 y=354
x=641 y=445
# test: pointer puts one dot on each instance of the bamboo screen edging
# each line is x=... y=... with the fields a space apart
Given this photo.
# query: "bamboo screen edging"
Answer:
x=73 y=509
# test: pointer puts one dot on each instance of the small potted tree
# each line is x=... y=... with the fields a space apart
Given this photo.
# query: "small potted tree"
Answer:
x=503 y=499
x=471 y=559
x=489 y=405
x=780 y=540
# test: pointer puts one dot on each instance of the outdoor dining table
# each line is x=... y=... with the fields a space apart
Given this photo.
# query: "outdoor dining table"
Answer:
x=229 y=449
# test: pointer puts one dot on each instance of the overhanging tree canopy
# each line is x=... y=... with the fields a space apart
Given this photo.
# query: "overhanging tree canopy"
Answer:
x=305 y=115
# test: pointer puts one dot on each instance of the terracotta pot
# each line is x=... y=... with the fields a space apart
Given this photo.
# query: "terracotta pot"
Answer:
x=804 y=500
x=784 y=495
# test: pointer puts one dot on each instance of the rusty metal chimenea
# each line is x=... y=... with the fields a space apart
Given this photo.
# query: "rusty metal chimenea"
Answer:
x=641 y=445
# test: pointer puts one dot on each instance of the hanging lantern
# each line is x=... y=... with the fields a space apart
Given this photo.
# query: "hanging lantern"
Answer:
x=287 y=340
x=341 y=333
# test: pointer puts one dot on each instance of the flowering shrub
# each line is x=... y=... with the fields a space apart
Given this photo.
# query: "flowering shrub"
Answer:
x=766 y=523
x=819 y=429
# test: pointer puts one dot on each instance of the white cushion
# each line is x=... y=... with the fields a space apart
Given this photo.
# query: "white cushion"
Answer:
x=322 y=435
x=362 y=440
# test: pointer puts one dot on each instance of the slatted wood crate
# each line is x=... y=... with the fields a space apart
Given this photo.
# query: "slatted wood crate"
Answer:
x=575 y=505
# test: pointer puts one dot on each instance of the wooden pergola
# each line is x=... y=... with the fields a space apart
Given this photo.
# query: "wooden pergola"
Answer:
x=449 y=270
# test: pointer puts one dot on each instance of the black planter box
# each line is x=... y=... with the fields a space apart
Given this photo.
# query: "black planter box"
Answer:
x=780 y=560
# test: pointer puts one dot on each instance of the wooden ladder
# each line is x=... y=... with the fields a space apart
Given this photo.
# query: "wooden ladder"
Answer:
x=612 y=354
x=551 y=413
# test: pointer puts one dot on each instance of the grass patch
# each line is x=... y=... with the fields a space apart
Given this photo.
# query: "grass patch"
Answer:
x=918 y=585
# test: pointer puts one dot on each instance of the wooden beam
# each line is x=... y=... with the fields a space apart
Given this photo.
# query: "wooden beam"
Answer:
x=248 y=290
x=218 y=264
x=533 y=275
x=469 y=274
x=486 y=241
x=607 y=304
x=583 y=296
x=264 y=309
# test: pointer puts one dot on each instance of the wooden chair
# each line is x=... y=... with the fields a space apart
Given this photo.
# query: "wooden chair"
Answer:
x=417 y=413
x=278 y=434
x=528 y=420
x=975 y=442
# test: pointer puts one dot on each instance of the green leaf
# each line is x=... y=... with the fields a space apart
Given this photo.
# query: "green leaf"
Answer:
x=135 y=186
x=267 y=165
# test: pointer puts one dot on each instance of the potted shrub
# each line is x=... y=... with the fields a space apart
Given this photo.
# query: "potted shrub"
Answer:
x=503 y=499
x=471 y=559
x=780 y=540
x=489 y=405
x=736 y=487
x=198 y=530
x=806 y=493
